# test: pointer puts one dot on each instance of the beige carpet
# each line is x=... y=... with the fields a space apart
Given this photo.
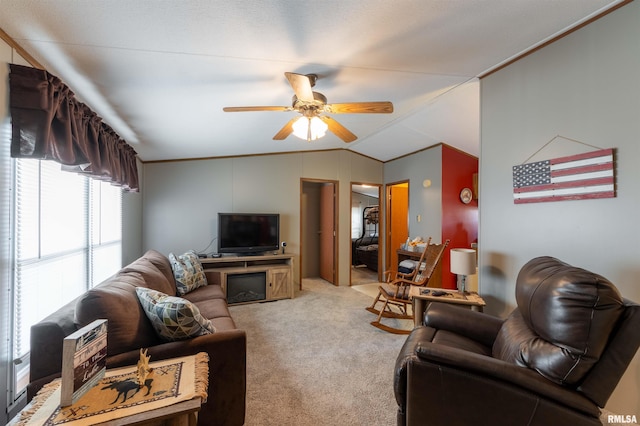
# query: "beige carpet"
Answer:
x=370 y=289
x=316 y=360
x=363 y=276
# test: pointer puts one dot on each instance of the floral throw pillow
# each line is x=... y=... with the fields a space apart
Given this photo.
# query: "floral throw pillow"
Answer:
x=187 y=271
x=173 y=318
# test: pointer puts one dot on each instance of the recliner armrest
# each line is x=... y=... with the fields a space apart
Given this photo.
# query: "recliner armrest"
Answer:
x=408 y=353
x=492 y=369
x=474 y=325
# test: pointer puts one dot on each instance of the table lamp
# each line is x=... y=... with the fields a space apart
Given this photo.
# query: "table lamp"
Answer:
x=463 y=263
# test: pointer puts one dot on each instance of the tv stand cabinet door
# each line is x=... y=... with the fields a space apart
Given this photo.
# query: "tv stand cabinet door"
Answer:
x=279 y=285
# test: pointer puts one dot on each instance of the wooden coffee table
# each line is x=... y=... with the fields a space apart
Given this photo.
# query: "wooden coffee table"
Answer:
x=420 y=300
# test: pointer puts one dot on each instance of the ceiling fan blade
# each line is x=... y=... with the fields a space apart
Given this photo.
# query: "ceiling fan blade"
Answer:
x=286 y=130
x=338 y=129
x=301 y=86
x=360 y=107
x=256 y=108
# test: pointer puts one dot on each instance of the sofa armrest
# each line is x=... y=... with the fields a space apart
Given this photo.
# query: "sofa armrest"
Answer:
x=484 y=370
x=46 y=339
x=215 y=343
x=480 y=327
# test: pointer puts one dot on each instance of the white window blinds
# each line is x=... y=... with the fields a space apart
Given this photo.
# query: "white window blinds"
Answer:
x=67 y=239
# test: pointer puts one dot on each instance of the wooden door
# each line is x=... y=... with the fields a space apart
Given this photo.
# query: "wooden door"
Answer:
x=397 y=221
x=327 y=232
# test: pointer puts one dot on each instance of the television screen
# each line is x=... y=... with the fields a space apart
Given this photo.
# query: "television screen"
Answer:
x=248 y=232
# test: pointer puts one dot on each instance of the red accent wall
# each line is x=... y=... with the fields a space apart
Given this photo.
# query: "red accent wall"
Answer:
x=459 y=220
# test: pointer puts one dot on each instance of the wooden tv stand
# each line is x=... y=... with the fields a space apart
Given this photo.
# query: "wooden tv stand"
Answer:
x=277 y=267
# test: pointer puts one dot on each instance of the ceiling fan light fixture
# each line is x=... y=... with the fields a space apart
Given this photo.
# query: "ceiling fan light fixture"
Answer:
x=309 y=128
x=313 y=125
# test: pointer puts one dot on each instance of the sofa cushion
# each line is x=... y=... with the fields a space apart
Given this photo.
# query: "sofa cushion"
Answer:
x=564 y=319
x=188 y=272
x=173 y=318
x=152 y=277
x=116 y=300
x=206 y=293
x=224 y=324
x=161 y=262
x=214 y=308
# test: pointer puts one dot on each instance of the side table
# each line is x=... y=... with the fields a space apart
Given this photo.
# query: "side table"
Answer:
x=420 y=301
x=172 y=396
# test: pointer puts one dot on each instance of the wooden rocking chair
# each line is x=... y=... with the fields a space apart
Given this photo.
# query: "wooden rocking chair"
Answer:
x=396 y=293
x=392 y=274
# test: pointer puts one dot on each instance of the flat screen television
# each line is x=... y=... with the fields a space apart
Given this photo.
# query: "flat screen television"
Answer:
x=248 y=233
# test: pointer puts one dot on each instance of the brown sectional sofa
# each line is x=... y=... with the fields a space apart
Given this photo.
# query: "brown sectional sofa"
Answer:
x=129 y=329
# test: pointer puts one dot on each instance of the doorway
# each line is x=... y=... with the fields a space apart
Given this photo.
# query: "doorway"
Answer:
x=318 y=230
x=397 y=221
x=365 y=234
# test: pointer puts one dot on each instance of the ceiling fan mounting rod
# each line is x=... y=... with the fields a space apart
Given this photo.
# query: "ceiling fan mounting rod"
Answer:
x=318 y=103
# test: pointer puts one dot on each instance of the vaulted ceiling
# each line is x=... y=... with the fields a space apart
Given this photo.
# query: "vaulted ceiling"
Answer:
x=160 y=71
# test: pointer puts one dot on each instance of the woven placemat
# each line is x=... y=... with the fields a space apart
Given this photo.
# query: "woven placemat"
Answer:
x=118 y=394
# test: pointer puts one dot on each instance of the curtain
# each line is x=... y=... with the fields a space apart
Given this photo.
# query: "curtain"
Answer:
x=49 y=123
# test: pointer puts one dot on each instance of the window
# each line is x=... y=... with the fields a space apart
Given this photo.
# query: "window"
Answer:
x=356 y=219
x=67 y=234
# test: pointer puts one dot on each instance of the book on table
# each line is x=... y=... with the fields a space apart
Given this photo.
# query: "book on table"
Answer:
x=84 y=361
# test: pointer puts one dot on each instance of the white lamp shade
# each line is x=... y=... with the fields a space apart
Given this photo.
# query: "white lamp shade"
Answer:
x=309 y=129
x=463 y=261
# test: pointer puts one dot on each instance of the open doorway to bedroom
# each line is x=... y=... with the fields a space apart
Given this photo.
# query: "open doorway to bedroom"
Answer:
x=365 y=233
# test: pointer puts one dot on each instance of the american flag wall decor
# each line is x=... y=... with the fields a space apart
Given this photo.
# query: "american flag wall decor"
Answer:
x=575 y=177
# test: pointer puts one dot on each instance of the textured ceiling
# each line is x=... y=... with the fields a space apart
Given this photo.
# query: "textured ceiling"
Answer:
x=160 y=71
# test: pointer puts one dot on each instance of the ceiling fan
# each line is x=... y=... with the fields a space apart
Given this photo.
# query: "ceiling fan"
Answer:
x=312 y=106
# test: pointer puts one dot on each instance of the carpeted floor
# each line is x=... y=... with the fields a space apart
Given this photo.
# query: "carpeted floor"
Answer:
x=370 y=289
x=363 y=276
x=316 y=360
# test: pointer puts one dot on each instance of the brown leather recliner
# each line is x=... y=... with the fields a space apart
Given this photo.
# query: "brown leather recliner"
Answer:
x=555 y=360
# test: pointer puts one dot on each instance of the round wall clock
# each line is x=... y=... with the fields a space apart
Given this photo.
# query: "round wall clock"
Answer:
x=466 y=195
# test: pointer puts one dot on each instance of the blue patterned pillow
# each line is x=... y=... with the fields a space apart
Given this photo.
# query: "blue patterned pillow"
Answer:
x=172 y=317
x=187 y=271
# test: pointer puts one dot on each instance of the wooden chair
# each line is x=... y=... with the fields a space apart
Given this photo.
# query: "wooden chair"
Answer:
x=396 y=293
x=391 y=275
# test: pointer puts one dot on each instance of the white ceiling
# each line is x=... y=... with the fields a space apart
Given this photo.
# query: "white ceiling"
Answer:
x=368 y=190
x=160 y=71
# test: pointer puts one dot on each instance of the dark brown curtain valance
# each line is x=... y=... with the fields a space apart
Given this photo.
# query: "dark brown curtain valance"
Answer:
x=49 y=123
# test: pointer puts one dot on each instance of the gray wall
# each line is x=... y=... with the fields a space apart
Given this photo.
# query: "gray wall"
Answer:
x=132 y=224
x=181 y=199
x=584 y=87
x=426 y=202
